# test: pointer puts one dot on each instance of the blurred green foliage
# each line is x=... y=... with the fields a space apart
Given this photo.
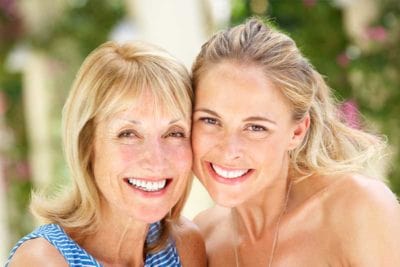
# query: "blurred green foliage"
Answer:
x=86 y=24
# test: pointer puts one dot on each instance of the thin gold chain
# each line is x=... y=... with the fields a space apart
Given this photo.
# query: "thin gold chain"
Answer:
x=236 y=240
x=276 y=235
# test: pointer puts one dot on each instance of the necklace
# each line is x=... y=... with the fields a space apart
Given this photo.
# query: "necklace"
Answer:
x=276 y=234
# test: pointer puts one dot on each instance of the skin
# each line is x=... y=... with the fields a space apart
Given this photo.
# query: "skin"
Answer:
x=242 y=122
x=146 y=145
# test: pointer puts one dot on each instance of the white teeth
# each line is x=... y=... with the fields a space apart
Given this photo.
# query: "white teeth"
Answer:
x=228 y=174
x=147 y=185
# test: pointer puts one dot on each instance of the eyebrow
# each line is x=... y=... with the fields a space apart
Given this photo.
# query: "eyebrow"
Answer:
x=252 y=118
x=174 y=121
x=138 y=122
x=132 y=121
x=259 y=118
x=206 y=110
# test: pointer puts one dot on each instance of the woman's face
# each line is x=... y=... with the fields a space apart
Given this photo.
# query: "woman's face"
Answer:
x=242 y=132
x=142 y=161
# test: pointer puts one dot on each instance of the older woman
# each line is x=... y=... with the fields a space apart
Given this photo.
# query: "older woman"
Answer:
x=289 y=178
x=126 y=126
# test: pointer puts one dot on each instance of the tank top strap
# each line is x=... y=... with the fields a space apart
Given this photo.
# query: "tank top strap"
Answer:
x=168 y=256
x=69 y=249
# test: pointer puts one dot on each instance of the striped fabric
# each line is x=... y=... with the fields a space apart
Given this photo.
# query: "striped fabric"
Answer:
x=78 y=257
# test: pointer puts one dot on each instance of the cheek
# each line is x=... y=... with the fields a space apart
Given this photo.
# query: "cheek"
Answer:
x=114 y=160
x=127 y=153
x=270 y=151
x=102 y=162
x=201 y=142
x=181 y=157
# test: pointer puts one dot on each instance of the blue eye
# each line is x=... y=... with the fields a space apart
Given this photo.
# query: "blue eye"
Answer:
x=208 y=120
x=256 y=128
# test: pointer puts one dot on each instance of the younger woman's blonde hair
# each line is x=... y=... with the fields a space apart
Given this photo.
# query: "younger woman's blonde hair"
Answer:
x=330 y=146
x=109 y=78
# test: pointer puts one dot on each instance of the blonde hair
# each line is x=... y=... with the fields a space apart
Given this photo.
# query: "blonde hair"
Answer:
x=109 y=78
x=330 y=146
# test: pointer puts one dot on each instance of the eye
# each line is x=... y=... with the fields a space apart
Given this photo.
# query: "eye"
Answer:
x=127 y=134
x=256 y=128
x=178 y=134
x=209 y=120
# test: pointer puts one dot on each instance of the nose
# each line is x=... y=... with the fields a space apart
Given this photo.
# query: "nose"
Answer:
x=154 y=157
x=231 y=147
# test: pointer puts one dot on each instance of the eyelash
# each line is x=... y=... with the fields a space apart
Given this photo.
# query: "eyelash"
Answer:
x=176 y=134
x=207 y=120
x=256 y=128
x=127 y=134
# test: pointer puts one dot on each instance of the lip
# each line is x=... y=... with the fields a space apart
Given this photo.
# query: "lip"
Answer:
x=150 y=194
x=228 y=181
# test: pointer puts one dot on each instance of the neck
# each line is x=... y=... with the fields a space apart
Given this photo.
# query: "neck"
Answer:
x=119 y=241
x=260 y=215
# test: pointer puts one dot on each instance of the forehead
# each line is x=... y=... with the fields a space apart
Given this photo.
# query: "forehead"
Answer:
x=143 y=104
x=239 y=86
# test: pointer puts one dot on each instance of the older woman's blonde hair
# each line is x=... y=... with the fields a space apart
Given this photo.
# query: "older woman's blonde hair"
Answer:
x=330 y=146
x=109 y=78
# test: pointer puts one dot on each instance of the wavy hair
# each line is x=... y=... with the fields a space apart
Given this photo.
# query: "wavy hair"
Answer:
x=109 y=78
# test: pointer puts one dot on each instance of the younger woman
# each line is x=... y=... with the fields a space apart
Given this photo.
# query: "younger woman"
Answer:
x=290 y=179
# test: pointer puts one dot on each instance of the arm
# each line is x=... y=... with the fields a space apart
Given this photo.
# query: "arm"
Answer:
x=190 y=244
x=37 y=252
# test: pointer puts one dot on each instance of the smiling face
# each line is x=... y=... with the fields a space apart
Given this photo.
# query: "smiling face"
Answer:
x=142 y=160
x=242 y=132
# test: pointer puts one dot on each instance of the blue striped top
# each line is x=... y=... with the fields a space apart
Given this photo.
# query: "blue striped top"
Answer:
x=76 y=256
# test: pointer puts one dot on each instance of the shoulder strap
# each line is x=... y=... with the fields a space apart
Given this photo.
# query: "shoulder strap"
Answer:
x=55 y=235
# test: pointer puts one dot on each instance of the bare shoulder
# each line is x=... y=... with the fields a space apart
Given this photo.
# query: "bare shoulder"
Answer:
x=366 y=195
x=186 y=229
x=209 y=219
x=190 y=243
x=368 y=218
x=37 y=252
x=354 y=192
x=355 y=198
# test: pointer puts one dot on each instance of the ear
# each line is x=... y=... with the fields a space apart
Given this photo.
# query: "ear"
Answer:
x=299 y=132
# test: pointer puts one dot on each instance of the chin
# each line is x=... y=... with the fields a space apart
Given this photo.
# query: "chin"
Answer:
x=150 y=215
x=226 y=199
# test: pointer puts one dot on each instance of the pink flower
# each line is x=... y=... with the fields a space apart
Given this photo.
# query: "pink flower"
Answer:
x=350 y=114
x=3 y=103
x=23 y=170
x=309 y=3
x=343 y=60
x=377 y=33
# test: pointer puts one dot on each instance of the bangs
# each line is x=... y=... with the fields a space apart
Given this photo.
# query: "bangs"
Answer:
x=165 y=85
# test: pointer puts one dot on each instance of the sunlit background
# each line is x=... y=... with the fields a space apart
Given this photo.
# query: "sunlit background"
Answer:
x=354 y=43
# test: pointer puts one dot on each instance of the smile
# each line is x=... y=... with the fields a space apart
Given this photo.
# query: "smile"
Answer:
x=147 y=185
x=229 y=173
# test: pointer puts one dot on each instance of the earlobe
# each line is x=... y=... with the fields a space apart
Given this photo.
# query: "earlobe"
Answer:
x=299 y=132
